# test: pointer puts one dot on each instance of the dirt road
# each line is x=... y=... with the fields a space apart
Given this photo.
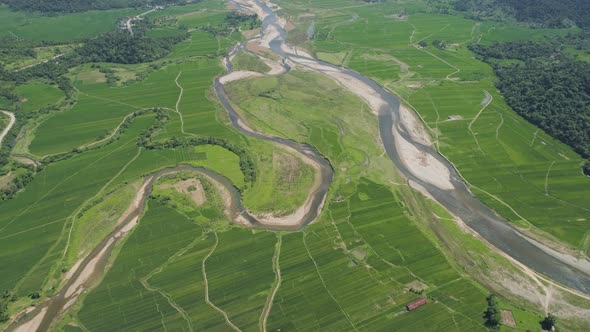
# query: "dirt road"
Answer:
x=10 y=124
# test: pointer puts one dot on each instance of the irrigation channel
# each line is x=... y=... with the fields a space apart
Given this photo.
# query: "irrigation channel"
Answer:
x=564 y=269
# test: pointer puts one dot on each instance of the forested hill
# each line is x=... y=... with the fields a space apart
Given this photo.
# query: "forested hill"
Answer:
x=549 y=13
x=547 y=87
x=70 y=6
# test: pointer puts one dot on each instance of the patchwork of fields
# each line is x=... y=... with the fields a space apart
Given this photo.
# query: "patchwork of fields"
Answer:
x=59 y=28
x=377 y=253
x=528 y=177
x=376 y=246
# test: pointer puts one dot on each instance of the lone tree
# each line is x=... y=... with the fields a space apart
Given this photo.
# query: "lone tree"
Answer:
x=548 y=324
x=492 y=314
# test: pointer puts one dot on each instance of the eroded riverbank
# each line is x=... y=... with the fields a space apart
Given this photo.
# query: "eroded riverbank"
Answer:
x=413 y=156
x=88 y=271
x=422 y=164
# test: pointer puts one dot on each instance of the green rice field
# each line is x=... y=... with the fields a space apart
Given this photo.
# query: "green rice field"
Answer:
x=64 y=27
x=37 y=95
x=528 y=177
x=377 y=244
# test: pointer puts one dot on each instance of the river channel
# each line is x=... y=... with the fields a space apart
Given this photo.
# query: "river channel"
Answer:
x=562 y=268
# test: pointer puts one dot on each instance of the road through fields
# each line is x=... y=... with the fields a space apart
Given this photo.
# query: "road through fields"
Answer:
x=10 y=124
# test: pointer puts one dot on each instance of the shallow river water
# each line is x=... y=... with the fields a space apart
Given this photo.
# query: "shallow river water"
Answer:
x=459 y=200
x=562 y=268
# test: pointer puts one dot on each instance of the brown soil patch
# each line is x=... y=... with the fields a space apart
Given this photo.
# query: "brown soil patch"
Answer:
x=507 y=318
x=289 y=168
x=417 y=285
x=26 y=161
x=5 y=180
x=290 y=26
x=256 y=48
x=250 y=33
x=191 y=187
x=398 y=17
x=24 y=100
x=306 y=15
x=359 y=253
x=415 y=85
x=455 y=117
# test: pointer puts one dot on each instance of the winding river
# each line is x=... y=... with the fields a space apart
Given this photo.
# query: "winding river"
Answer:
x=456 y=197
x=89 y=270
x=562 y=268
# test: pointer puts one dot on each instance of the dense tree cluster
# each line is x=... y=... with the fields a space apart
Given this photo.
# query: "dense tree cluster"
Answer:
x=11 y=48
x=236 y=19
x=549 y=323
x=18 y=183
x=6 y=298
x=231 y=23
x=492 y=314
x=520 y=50
x=441 y=45
x=50 y=70
x=548 y=88
x=579 y=40
x=548 y=13
x=121 y=47
x=70 y=6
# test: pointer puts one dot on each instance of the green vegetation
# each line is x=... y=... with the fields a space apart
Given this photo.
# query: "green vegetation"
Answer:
x=59 y=28
x=181 y=302
x=286 y=183
x=364 y=241
x=155 y=242
x=492 y=314
x=120 y=47
x=544 y=12
x=97 y=217
x=80 y=5
x=556 y=84
x=59 y=200
x=6 y=298
x=549 y=323
x=220 y=160
x=37 y=95
x=118 y=108
x=528 y=177
x=247 y=61
x=4 y=119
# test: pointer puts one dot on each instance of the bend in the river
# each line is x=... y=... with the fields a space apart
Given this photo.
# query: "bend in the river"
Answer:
x=562 y=268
